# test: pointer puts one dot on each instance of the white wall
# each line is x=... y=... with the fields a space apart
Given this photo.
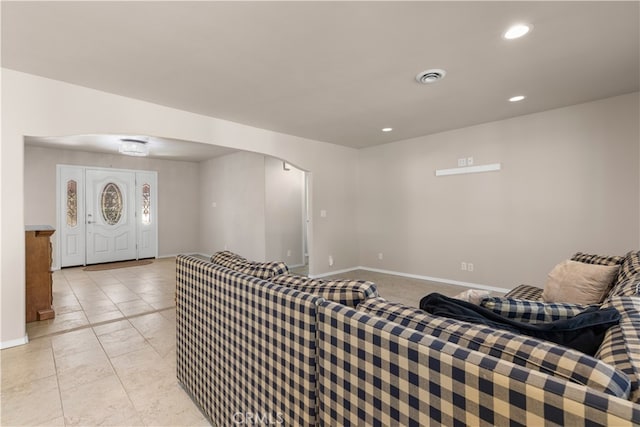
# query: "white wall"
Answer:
x=569 y=182
x=178 y=185
x=284 y=201
x=37 y=106
x=250 y=205
x=235 y=183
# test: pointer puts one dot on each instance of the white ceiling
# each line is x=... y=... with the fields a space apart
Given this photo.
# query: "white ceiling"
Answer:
x=333 y=71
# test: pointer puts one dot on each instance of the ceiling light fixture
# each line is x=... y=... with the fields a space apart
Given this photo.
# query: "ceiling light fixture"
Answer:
x=133 y=147
x=516 y=31
x=517 y=98
x=387 y=129
x=430 y=76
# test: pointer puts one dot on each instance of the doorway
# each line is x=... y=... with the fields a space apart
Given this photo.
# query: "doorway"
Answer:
x=105 y=215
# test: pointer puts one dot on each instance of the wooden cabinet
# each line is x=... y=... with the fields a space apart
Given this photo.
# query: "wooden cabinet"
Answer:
x=39 y=281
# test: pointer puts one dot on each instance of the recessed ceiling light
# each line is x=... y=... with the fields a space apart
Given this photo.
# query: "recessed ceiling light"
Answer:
x=430 y=76
x=516 y=31
x=517 y=98
x=387 y=129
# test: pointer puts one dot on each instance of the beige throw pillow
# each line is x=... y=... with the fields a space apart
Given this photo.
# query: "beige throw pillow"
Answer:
x=579 y=283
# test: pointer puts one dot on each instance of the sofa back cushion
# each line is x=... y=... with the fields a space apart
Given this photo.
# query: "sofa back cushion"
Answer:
x=532 y=311
x=528 y=292
x=521 y=350
x=597 y=259
x=347 y=292
x=628 y=281
x=262 y=270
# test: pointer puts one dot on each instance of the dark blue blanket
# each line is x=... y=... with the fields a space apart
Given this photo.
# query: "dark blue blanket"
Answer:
x=584 y=332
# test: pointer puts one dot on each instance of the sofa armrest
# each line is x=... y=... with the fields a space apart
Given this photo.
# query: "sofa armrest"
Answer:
x=262 y=270
x=621 y=346
x=347 y=292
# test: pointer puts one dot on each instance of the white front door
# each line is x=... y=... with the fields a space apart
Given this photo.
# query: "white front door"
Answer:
x=110 y=215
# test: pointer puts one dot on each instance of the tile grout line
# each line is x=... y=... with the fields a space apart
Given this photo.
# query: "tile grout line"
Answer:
x=118 y=376
x=55 y=366
x=146 y=340
x=105 y=322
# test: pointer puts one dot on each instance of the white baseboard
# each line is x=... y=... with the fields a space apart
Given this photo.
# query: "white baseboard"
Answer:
x=438 y=279
x=167 y=256
x=331 y=273
x=14 y=343
x=295 y=266
x=416 y=276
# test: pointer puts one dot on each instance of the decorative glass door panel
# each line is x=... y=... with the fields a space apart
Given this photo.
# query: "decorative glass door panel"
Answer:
x=146 y=195
x=111 y=225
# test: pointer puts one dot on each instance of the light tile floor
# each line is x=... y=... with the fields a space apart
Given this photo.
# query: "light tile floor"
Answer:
x=108 y=357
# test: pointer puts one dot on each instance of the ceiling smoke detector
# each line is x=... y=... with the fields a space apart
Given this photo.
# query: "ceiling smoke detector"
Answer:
x=430 y=76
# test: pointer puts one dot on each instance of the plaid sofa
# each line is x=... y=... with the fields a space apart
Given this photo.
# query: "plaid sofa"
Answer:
x=250 y=347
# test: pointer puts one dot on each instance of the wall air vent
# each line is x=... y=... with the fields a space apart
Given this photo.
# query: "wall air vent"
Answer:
x=430 y=76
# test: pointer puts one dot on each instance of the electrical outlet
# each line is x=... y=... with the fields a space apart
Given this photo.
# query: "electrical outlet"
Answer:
x=380 y=256
x=469 y=161
x=289 y=252
x=323 y=213
x=330 y=260
x=462 y=162
x=469 y=266
x=463 y=266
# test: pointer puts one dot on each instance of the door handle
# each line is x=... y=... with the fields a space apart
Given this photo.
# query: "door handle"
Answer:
x=90 y=222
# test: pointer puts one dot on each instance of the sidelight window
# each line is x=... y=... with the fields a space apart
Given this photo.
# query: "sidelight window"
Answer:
x=72 y=203
x=146 y=204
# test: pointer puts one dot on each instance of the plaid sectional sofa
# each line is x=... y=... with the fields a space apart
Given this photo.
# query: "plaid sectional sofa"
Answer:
x=621 y=345
x=287 y=350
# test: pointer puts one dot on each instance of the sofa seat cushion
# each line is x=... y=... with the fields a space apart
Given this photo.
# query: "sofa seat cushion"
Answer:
x=262 y=270
x=531 y=293
x=621 y=346
x=521 y=350
x=532 y=311
x=347 y=292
